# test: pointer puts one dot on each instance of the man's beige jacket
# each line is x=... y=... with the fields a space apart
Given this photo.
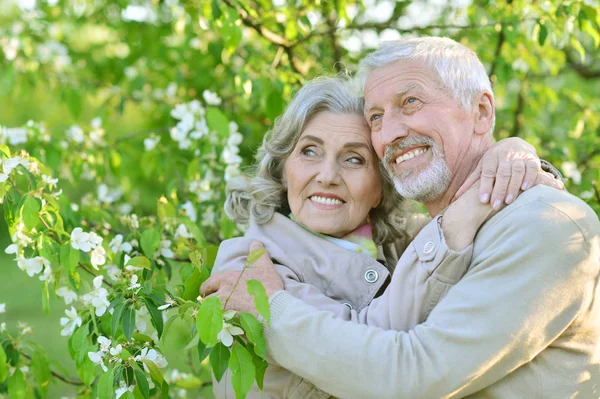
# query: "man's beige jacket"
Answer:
x=519 y=319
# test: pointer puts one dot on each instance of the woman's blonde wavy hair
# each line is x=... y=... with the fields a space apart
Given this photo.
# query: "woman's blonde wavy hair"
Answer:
x=260 y=193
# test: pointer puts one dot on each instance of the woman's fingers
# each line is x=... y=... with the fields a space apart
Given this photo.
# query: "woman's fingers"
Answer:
x=518 y=172
x=503 y=176
x=489 y=167
x=532 y=169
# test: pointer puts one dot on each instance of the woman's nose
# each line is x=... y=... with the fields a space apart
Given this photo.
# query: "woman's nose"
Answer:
x=329 y=173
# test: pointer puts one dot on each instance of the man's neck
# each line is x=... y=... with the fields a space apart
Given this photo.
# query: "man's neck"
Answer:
x=464 y=169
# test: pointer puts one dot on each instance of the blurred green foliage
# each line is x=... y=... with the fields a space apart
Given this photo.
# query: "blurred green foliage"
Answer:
x=66 y=63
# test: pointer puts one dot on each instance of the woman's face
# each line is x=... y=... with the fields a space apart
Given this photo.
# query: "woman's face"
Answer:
x=332 y=176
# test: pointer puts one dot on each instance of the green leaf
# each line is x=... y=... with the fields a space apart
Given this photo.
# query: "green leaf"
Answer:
x=210 y=256
x=41 y=370
x=140 y=261
x=217 y=121
x=17 y=387
x=543 y=34
x=150 y=242
x=219 y=360
x=69 y=256
x=274 y=105
x=73 y=99
x=30 y=212
x=106 y=388
x=254 y=331
x=242 y=370
x=291 y=30
x=45 y=297
x=155 y=372
x=86 y=371
x=3 y=365
x=577 y=46
x=203 y=351
x=261 y=300
x=79 y=340
x=155 y=315
x=209 y=320
x=255 y=255
x=128 y=321
x=588 y=28
x=192 y=284
x=261 y=367
x=116 y=317
x=142 y=382
x=194 y=230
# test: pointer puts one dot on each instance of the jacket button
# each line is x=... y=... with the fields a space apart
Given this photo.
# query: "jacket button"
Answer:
x=349 y=306
x=429 y=246
x=371 y=276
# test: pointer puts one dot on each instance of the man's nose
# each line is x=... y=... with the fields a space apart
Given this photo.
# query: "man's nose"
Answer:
x=393 y=128
x=329 y=173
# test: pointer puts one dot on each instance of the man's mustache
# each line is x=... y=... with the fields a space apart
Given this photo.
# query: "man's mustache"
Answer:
x=393 y=149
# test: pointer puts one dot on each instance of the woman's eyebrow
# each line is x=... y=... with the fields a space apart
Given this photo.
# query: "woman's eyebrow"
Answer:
x=354 y=144
x=313 y=138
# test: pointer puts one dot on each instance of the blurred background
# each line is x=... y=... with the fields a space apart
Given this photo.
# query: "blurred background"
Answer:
x=93 y=88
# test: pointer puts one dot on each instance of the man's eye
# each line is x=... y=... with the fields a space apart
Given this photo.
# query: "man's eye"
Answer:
x=411 y=100
x=375 y=117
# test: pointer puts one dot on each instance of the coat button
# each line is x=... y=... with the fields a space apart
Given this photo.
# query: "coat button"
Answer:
x=371 y=276
x=349 y=306
x=429 y=246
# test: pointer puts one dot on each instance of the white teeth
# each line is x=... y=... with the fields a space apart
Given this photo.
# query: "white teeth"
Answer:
x=326 y=201
x=410 y=155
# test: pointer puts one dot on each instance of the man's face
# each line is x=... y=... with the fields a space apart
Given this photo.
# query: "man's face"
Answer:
x=418 y=131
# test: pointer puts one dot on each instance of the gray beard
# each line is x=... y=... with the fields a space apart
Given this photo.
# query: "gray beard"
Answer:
x=425 y=186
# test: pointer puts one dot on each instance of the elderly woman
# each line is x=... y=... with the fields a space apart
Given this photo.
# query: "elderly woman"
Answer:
x=319 y=202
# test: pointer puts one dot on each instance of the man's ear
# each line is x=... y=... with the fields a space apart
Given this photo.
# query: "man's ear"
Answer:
x=284 y=179
x=485 y=113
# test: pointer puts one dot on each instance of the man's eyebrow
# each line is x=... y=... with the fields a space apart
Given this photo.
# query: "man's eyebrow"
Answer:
x=405 y=90
x=311 y=137
x=399 y=93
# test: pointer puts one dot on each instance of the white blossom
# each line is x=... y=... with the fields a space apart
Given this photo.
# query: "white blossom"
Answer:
x=225 y=336
x=66 y=294
x=97 y=297
x=98 y=256
x=164 y=249
x=47 y=275
x=152 y=355
x=108 y=195
x=117 y=245
x=32 y=266
x=135 y=224
x=190 y=211
x=70 y=322
x=98 y=359
x=231 y=172
x=208 y=218
x=123 y=387
x=211 y=98
x=81 y=240
x=116 y=350
x=134 y=284
x=169 y=302
x=151 y=142
x=49 y=180
x=230 y=155
x=234 y=139
x=570 y=170
x=75 y=133
x=2 y=308
x=10 y=163
x=113 y=272
x=15 y=135
x=12 y=249
x=182 y=232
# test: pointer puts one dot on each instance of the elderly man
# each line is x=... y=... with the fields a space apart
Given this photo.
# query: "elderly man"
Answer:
x=515 y=314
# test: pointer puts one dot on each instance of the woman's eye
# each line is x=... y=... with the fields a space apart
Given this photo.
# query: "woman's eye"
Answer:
x=308 y=152
x=411 y=100
x=356 y=160
x=375 y=117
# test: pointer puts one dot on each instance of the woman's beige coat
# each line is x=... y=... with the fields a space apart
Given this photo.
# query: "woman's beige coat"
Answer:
x=320 y=273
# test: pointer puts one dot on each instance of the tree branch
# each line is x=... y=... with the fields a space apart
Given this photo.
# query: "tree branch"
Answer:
x=497 y=52
x=582 y=70
x=94 y=274
x=519 y=111
x=57 y=375
x=337 y=53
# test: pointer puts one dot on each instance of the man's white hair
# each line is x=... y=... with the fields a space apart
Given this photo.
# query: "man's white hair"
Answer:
x=458 y=67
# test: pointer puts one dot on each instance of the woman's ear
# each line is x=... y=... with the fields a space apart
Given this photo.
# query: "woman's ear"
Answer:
x=485 y=113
